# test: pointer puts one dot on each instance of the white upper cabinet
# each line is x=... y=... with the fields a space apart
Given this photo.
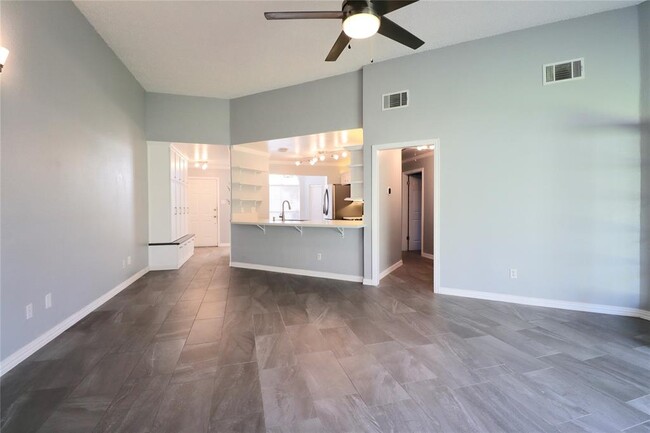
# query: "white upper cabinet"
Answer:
x=168 y=207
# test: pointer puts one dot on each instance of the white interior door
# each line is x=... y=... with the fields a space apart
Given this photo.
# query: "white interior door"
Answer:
x=204 y=211
x=415 y=212
x=316 y=202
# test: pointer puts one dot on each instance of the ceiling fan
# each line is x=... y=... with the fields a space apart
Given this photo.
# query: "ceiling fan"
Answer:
x=361 y=19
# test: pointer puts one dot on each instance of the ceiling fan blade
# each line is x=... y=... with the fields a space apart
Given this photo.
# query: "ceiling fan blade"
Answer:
x=383 y=7
x=304 y=15
x=399 y=34
x=340 y=44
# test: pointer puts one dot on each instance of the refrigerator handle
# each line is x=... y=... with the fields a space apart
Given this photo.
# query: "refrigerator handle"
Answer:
x=326 y=202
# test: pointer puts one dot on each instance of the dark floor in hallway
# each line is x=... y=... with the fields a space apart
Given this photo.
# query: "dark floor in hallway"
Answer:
x=209 y=348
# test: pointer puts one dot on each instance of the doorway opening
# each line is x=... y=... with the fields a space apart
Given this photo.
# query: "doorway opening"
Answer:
x=208 y=194
x=405 y=211
x=412 y=211
x=204 y=216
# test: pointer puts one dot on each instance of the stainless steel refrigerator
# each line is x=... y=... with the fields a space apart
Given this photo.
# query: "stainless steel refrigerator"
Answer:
x=335 y=207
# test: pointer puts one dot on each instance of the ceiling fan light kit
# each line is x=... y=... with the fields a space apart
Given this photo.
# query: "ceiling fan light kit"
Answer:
x=361 y=25
x=360 y=19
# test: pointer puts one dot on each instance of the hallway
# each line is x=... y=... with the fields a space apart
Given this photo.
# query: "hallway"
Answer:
x=210 y=348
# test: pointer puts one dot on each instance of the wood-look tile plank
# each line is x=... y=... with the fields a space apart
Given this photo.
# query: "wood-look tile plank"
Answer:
x=306 y=339
x=31 y=409
x=252 y=423
x=346 y=414
x=294 y=314
x=404 y=416
x=185 y=408
x=367 y=331
x=401 y=364
x=135 y=406
x=237 y=348
x=492 y=410
x=211 y=310
x=205 y=331
x=197 y=362
x=342 y=342
x=324 y=375
x=568 y=386
x=440 y=404
x=76 y=415
x=274 y=350
x=237 y=392
x=610 y=380
x=159 y=358
x=374 y=383
x=286 y=396
x=270 y=323
x=174 y=330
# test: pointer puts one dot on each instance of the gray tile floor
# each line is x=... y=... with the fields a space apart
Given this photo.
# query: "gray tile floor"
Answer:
x=214 y=349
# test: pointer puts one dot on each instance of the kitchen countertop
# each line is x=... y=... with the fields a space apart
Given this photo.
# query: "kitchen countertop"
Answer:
x=316 y=224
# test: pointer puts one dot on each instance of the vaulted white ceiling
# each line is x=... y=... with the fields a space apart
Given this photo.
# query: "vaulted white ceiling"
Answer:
x=227 y=49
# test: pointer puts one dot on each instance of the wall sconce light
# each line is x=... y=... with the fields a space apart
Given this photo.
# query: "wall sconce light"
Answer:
x=3 y=56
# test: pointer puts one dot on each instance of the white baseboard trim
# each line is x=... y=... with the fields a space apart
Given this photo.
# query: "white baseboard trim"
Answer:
x=369 y=282
x=427 y=255
x=30 y=348
x=223 y=245
x=391 y=268
x=292 y=271
x=550 y=303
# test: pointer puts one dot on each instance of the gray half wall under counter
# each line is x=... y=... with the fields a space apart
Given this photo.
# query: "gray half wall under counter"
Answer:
x=289 y=251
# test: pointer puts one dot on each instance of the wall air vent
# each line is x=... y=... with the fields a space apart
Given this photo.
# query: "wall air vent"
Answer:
x=395 y=100
x=564 y=71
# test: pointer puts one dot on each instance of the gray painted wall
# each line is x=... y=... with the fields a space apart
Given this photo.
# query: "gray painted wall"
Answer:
x=538 y=178
x=330 y=104
x=390 y=207
x=74 y=176
x=425 y=163
x=285 y=247
x=644 y=37
x=224 y=195
x=187 y=119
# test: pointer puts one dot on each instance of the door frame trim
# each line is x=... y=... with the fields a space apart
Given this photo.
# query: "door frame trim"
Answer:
x=218 y=201
x=376 y=218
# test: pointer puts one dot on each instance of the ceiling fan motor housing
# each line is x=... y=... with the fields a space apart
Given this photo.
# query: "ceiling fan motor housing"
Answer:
x=353 y=7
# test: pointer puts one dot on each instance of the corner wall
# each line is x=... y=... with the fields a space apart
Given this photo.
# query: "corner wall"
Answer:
x=644 y=38
x=74 y=169
x=544 y=179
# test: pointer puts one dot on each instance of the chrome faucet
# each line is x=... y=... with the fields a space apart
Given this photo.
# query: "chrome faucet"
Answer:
x=282 y=214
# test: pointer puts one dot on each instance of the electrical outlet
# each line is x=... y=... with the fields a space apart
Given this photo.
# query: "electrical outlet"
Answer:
x=48 y=301
x=513 y=274
x=29 y=311
x=319 y=256
x=128 y=260
x=123 y=264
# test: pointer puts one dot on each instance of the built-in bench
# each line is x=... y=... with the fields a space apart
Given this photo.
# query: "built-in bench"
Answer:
x=171 y=255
